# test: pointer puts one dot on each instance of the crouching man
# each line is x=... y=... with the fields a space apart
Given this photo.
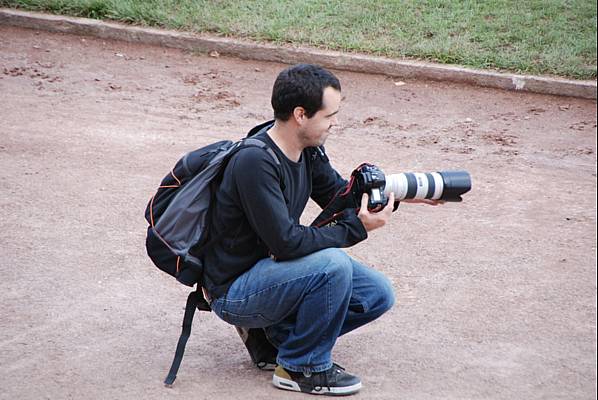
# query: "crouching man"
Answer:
x=271 y=272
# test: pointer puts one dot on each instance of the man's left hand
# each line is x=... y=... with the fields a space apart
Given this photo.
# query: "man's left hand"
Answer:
x=424 y=201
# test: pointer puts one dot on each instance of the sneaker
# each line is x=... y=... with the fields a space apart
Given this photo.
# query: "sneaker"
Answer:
x=262 y=352
x=332 y=382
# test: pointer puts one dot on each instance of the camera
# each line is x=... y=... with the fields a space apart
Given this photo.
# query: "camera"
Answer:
x=367 y=178
x=443 y=185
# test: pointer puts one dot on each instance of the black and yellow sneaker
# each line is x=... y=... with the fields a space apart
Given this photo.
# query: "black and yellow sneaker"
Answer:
x=332 y=382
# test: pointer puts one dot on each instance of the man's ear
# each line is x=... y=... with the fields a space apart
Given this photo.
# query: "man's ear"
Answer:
x=299 y=115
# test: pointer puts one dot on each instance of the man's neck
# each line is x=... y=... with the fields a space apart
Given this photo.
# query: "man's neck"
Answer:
x=286 y=138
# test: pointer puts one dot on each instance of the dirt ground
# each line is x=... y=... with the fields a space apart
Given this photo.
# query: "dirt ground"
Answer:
x=496 y=295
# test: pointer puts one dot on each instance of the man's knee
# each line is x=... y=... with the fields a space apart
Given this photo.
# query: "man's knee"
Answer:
x=385 y=296
x=335 y=263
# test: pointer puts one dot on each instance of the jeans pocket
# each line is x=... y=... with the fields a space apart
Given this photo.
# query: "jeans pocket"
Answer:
x=246 y=321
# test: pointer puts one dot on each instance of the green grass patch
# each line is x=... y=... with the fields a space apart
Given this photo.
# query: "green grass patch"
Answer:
x=536 y=36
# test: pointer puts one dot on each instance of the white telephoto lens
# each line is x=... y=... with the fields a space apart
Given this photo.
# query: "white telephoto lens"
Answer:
x=438 y=185
x=397 y=184
x=415 y=185
x=422 y=185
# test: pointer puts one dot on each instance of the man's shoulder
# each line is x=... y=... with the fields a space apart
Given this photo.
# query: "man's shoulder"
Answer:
x=251 y=158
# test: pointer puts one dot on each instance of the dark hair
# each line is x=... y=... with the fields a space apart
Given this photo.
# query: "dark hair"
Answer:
x=301 y=85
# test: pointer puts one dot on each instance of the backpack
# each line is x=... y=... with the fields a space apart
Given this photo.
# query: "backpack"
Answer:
x=178 y=234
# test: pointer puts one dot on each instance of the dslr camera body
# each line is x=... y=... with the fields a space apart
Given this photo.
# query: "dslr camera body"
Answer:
x=368 y=178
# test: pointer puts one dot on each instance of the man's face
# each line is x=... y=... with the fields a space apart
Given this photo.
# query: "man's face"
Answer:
x=316 y=129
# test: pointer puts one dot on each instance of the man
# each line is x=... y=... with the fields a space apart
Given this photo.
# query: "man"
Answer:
x=269 y=271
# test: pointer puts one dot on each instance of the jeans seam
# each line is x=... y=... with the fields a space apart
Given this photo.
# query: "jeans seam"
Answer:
x=270 y=288
x=328 y=317
x=240 y=316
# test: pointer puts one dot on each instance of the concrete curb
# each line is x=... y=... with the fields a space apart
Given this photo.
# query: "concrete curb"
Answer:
x=291 y=55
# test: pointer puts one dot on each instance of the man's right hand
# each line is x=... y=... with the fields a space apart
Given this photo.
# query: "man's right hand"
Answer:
x=375 y=219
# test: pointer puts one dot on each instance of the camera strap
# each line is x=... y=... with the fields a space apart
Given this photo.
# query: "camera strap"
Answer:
x=347 y=199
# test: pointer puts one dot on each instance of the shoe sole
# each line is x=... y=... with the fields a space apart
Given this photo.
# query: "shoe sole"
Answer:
x=287 y=384
x=266 y=366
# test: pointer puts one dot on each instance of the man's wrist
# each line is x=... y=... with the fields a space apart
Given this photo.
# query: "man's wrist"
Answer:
x=353 y=219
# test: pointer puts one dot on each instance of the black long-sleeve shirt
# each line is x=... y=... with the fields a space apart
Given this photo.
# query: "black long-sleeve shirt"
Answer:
x=259 y=219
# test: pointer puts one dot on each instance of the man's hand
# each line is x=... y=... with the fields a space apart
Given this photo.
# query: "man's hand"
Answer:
x=373 y=220
x=423 y=201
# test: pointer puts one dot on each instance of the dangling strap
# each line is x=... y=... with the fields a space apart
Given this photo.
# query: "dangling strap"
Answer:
x=180 y=348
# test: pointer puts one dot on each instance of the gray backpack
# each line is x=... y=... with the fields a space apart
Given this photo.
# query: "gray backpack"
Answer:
x=178 y=215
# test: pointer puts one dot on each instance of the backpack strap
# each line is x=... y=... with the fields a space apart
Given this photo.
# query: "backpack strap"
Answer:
x=252 y=142
x=194 y=300
x=264 y=126
x=199 y=249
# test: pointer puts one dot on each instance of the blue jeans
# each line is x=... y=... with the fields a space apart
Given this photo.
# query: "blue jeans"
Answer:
x=305 y=304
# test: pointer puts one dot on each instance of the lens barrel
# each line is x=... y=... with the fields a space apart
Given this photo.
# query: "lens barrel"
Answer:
x=444 y=185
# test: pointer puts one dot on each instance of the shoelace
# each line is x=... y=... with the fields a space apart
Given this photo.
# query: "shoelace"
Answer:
x=338 y=366
x=319 y=388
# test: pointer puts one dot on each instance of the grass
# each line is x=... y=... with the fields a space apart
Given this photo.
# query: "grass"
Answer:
x=551 y=37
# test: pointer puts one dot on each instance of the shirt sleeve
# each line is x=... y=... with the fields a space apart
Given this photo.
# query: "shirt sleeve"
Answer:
x=326 y=182
x=257 y=179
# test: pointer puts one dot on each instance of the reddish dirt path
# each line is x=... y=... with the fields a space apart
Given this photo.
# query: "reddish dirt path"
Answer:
x=496 y=295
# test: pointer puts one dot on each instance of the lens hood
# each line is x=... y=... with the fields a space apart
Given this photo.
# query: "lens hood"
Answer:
x=455 y=183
